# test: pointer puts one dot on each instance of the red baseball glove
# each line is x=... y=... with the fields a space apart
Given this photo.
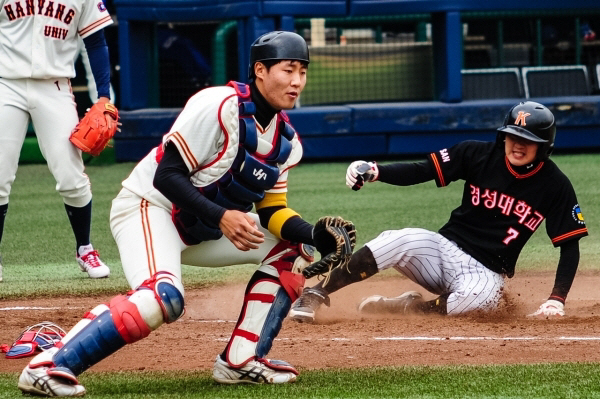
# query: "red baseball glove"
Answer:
x=92 y=133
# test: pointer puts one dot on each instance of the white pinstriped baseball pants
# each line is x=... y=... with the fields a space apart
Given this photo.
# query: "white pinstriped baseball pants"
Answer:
x=440 y=266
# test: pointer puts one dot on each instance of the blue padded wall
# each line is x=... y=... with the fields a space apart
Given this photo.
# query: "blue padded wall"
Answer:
x=389 y=129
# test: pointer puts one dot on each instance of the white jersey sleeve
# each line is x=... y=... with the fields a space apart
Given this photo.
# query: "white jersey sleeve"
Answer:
x=94 y=17
x=206 y=134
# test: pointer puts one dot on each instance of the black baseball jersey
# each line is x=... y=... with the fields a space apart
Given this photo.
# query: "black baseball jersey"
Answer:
x=502 y=205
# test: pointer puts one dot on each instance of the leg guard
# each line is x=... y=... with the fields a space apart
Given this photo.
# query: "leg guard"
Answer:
x=168 y=292
x=286 y=261
x=269 y=296
x=125 y=320
x=266 y=304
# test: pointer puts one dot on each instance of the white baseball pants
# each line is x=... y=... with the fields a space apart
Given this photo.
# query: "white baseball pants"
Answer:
x=148 y=242
x=51 y=106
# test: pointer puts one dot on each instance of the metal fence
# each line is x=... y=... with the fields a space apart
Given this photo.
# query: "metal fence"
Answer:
x=390 y=58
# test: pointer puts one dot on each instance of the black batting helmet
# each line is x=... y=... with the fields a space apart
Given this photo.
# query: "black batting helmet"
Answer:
x=277 y=45
x=533 y=122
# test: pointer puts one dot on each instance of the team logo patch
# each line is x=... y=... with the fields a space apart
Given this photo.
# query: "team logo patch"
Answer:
x=101 y=6
x=577 y=215
x=520 y=121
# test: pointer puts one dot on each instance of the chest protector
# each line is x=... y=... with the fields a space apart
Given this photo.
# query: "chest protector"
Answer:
x=250 y=175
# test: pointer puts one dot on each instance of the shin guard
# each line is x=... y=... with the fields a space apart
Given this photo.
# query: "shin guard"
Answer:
x=108 y=332
x=267 y=301
x=125 y=320
x=266 y=304
x=286 y=261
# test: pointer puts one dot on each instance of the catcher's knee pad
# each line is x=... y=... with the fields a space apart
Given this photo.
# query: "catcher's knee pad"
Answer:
x=290 y=257
x=286 y=262
x=164 y=290
x=266 y=304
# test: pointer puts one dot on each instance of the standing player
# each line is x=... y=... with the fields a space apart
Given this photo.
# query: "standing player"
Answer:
x=187 y=202
x=38 y=47
x=510 y=188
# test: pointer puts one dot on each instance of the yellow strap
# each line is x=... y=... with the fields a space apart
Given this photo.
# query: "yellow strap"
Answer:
x=278 y=219
x=272 y=199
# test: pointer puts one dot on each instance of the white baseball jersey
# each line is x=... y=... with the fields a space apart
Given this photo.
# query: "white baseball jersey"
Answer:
x=39 y=37
x=207 y=137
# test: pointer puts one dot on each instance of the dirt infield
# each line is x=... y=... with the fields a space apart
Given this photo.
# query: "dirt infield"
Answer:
x=342 y=337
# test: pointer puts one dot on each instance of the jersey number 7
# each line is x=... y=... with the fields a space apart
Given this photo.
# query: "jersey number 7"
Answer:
x=512 y=234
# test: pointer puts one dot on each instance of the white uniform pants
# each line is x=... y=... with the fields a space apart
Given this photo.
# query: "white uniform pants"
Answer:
x=148 y=242
x=51 y=106
x=440 y=266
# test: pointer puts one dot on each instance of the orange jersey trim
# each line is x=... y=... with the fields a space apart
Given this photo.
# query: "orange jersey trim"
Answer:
x=148 y=237
x=187 y=153
x=438 y=169
x=519 y=176
x=94 y=25
x=225 y=143
x=569 y=235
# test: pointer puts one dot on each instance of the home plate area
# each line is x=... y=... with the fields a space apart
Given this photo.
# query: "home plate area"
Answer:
x=343 y=338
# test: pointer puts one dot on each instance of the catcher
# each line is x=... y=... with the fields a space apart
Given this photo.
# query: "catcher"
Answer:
x=188 y=201
x=510 y=187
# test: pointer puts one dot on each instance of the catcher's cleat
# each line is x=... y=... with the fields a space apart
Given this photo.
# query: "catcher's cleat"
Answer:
x=305 y=308
x=254 y=372
x=377 y=304
x=89 y=261
x=45 y=380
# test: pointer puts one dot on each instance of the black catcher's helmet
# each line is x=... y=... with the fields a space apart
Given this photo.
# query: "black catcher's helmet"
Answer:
x=277 y=45
x=533 y=122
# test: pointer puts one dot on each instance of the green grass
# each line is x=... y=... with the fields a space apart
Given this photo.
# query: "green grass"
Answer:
x=38 y=250
x=38 y=243
x=549 y=381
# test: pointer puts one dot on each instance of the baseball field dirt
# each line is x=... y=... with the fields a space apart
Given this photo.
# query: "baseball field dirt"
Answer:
x=342 y=338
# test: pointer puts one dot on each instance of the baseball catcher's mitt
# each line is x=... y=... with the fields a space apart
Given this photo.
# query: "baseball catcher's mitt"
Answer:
x=92 y=134
x=334 y=238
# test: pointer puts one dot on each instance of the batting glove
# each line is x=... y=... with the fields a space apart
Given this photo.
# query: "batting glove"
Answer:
x=551 y=307
x=360 y=171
